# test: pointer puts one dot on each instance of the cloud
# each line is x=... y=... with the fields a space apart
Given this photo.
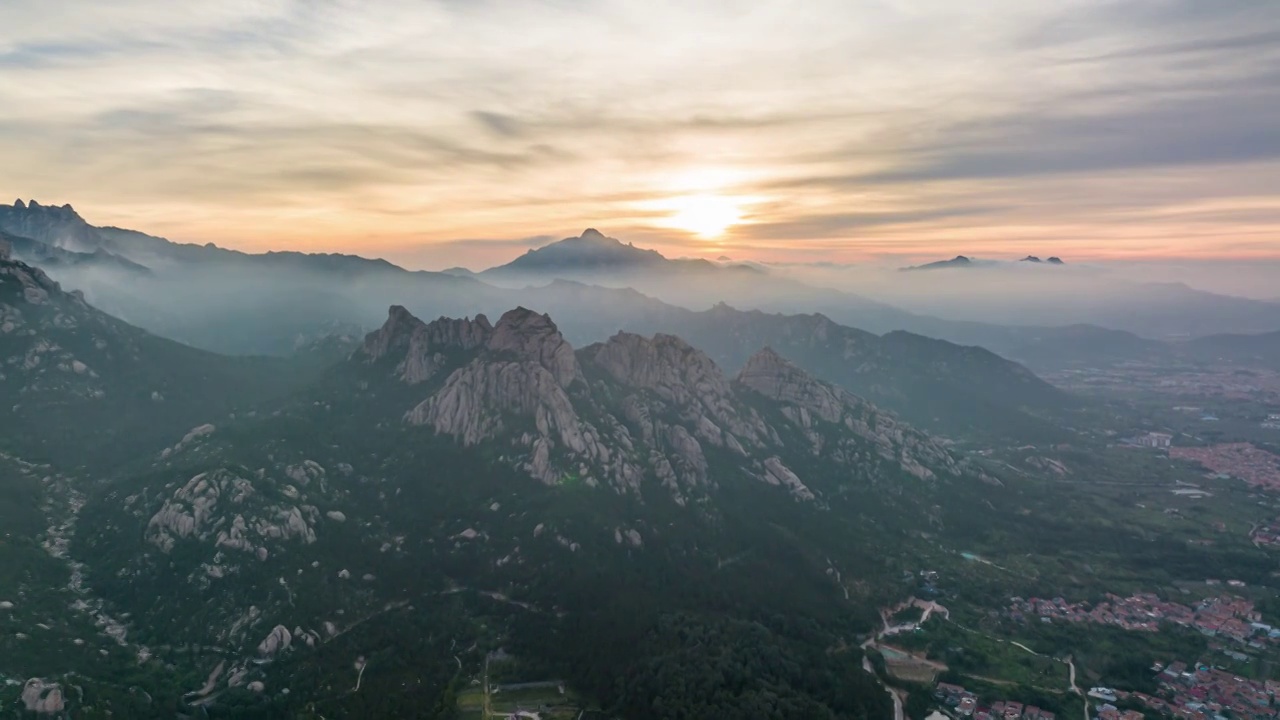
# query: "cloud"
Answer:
x=1232 y=43
x=497 y=123
x=533 y=241
x=1211 y=130
x=838 y=224
x=337 y=123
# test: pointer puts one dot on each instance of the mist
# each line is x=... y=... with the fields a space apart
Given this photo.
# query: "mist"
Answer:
x=593 y=286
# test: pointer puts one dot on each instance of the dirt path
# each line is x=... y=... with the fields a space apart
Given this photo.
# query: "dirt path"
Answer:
x=1068 y=661
x=487 y=708
x=897 y=699
x=1071 y=667
x=886 y=617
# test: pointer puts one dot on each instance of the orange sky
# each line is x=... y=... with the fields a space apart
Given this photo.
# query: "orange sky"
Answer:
x=444 y=133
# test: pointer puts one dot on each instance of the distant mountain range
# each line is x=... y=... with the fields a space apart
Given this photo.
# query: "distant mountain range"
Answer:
x=962 y=261
x=212 y=297
x=292 y=297
x=1262 y=349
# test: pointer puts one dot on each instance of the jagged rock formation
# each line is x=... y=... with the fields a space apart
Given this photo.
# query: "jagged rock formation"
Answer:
x=42 y=697
x=422 y=346
x=806 y=400
x=226 y=511
x=38 y=324
x=56 y=225
x=637 y=409
x=277 y=641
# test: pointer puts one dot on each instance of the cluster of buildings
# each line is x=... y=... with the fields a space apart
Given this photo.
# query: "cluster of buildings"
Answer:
x=1268 y=534
x=1107 y=711
x=1224 y=616
x=1154 y=440
x=966 y=704
x=1204 y=693
x=1257 y=467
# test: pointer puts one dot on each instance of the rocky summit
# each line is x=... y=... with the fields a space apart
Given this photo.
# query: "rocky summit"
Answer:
x=633 y=412
x=56 y=225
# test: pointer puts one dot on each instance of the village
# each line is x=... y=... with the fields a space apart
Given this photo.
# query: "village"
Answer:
x=1187 y=693
x=1195 y=693
x=1225 y=616
x=966 y=704
x=1255 y=466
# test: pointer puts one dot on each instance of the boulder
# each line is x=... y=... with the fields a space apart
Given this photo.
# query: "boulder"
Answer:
x=278 y=641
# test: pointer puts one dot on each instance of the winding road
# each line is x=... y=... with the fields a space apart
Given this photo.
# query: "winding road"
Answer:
x=886 y=615
x=1071 y=667
x=897 y=700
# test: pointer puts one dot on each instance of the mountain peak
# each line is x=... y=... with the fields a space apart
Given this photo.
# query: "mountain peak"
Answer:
x=767 y=357
x=533 y=336
x=521 y=315
x=521 y=332
x=54 y=225
x=399 y=313
x=394 y=333
x=773 y=376
x=420 y=345
x=1031 y=259
x=957 y=261
x=664 y=363
x=592 y=251
x=765 y=370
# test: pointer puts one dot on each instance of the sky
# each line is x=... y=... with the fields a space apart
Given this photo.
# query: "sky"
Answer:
x=462 y=132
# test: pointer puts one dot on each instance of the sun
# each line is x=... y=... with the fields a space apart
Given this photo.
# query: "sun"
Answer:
x=704 y=215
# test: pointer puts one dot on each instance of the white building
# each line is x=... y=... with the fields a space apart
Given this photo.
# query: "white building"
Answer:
x=1155 y=440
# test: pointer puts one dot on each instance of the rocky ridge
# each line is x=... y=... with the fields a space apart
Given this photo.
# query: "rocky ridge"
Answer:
x=807 y=401
x=634 y=410
x=55 y=225
x=423 y=345
x=34 y=313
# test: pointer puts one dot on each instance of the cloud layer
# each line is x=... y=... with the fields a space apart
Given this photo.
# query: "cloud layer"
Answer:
x=848 y=129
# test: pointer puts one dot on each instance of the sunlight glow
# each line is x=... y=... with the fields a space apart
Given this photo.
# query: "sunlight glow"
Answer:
x=707 y=216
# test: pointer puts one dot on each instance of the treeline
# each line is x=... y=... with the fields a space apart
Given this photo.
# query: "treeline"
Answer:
x=690 y=666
